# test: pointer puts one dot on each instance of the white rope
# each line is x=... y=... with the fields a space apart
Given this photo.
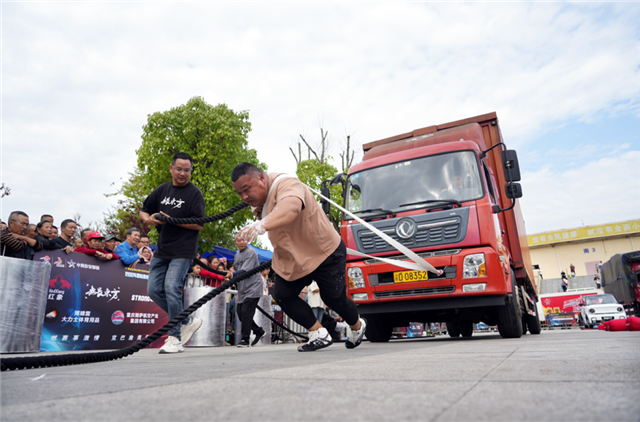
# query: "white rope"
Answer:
x=420 y=264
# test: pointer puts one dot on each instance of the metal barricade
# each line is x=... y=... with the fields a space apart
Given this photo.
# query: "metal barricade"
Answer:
x=23 y=301
x=293 y=326
x=212 y=313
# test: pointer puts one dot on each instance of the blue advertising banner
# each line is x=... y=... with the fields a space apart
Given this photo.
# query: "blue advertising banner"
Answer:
x=94 y=304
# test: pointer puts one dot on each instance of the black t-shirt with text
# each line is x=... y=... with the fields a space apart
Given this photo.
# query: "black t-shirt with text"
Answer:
x=178 y=202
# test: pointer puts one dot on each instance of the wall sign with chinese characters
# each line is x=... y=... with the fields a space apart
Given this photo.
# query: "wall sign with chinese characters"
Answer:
x=94 y=304
x=583 y=233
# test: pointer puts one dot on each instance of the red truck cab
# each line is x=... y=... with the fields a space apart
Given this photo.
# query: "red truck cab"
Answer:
x=441 y=192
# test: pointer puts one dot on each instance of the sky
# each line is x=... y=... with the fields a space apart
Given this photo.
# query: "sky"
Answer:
x=79 y=79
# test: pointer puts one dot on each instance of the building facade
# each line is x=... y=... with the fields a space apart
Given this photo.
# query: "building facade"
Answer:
x=585 y=247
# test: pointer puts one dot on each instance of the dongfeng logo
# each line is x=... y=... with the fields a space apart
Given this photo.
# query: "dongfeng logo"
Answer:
x=406 y=228
x=117 y=317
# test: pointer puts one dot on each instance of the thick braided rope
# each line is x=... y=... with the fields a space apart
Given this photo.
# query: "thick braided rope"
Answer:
x=302 y=336
x=79 y=358
x=201 y=220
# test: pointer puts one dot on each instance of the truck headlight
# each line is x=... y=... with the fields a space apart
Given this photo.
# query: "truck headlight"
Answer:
x=619 y=309
x=474 y=266
x=360 y=296
x=356 y=278
x=592 y=311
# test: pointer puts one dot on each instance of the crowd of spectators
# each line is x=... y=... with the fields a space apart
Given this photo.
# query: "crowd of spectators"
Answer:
x=21 y=239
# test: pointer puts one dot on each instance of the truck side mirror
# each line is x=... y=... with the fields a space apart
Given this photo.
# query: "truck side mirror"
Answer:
x=511 y=166
x=338 y=179
x=513 y=190
x=326 y=206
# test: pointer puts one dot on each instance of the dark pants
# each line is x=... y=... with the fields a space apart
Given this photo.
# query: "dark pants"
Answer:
x=331 y=279
x=246 y=310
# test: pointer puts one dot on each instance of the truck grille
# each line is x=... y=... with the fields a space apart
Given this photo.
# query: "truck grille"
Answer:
x=415 y=292
x=426 y=234
x=444 y=252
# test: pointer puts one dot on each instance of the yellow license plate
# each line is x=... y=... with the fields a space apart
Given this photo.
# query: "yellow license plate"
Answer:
x=406 y=276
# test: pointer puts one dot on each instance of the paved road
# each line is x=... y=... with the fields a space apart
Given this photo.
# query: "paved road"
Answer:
x=561 y=375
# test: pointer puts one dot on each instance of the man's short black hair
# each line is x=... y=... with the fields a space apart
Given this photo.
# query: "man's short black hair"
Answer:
x=14 y=215
x=131 y=230
x=181 y=156
x=43 y=216
x=66 y=222
x=84 y=230
x=243 y=169
x=143 y=235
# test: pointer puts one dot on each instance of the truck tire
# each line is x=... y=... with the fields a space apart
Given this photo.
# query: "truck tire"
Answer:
x=509 y=318
x=533 y=322
x=378 y=329
x=465 y=328
x=452 y=330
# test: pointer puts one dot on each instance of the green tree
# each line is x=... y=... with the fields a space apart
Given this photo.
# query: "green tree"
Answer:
x=312 y=173
x=216 y=139
x=126 y=214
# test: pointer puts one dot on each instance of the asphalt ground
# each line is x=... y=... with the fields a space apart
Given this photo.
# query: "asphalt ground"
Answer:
x=560 y=375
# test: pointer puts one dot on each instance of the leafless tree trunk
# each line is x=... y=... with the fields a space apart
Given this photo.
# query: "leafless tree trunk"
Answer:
x=347 y=160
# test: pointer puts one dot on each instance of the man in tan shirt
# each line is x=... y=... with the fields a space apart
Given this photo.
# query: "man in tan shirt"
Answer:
x=306 y=248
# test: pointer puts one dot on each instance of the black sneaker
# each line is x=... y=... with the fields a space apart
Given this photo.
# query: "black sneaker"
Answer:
x=318 y=339
x=244 y=343
x=257 y=338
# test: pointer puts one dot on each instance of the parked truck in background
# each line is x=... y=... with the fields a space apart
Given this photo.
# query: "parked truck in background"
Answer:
x=563 y=308
x=620 y=277
x=449 y=193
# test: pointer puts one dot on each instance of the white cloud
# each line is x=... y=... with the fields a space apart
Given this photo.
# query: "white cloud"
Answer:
x=600 y=191
x=79 y=79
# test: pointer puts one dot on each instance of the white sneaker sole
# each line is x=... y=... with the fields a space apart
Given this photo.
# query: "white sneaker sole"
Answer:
x=187 y=331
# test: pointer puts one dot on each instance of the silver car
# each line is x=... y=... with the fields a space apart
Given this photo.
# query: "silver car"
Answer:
x=599 y=308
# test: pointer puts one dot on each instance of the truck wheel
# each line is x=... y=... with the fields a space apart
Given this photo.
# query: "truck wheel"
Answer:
x=452 y=330
x=378 y=329
x=465 y=328
x=509 y=318
x=533 y=322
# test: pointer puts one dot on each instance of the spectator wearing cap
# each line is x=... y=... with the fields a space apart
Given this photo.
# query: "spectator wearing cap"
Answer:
x=68 y=231
x=128 y=250
x=109 y=244
x=94 y=247
x=13 y=240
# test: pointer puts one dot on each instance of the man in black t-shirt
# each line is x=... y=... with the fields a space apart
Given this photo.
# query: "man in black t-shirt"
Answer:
x=177 y=246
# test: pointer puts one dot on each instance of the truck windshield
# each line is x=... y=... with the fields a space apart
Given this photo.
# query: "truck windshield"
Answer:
x=600 y=299
x=415 y=183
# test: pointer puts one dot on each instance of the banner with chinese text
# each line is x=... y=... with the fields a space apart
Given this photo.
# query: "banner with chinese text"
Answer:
x=583 y=233
x=94 y=304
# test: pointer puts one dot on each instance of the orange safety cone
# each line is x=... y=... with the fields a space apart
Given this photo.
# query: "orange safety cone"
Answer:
x=633 y=323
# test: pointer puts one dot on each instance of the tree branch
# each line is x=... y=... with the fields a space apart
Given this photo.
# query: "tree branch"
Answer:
x=309 y=147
